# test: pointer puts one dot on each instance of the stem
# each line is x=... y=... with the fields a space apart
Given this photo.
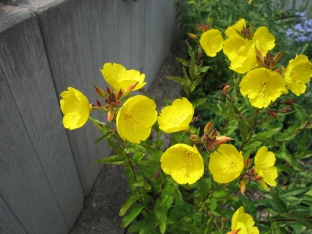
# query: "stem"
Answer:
x=135 y=178
x=250 y=132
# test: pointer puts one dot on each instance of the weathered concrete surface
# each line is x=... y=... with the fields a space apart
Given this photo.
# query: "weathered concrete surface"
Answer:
x=101 y=208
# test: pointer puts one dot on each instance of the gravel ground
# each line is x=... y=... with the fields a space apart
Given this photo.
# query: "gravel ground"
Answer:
x=101 y=207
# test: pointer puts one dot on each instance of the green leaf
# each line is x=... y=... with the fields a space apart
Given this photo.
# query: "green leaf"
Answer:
x=184 y=62
x=137 y=226
x=280 y=205
x=116 y=159
x=162 y=227
x=160 y=212
x=298 y=218
x=191 y=228
x=283 y=153
x=198 y=102
x=132 y=198
x=175 y=79
x=293 y=192
x=132 y=213
x=203 y=69
x=275 y=229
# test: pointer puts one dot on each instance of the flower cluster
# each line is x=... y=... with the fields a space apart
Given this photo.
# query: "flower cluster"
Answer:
x=248 y=52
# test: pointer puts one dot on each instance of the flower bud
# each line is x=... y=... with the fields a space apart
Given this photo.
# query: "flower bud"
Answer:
x=273 y=113
x=108 y=91
x=99 y=91
x=113 y=96
x=106 y=100
x=117 y=103
x=225 y=90
x=213 y=133
x=98 y=103
x=204 y=138
x=110 y=116
x=107 y=107
x=277 y=57
x=130 y=88
x=272 y=64
x=242 y=186
x=119 y=94
x=192 y=36
x=194 y=138
x=208 y=127
x=222 y=139
x=247 y=162
x=286 y=109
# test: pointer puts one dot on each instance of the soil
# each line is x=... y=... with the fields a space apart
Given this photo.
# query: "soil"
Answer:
x=101 y=207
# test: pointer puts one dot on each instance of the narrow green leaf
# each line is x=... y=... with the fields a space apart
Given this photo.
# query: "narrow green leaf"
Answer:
x=131 y=215
x=293 y=192
x=184 y=62
x=175 y=79
x=137 y=226
x=283 y=153
x=280 y=205
x=203 y=69
x=298 y=218
x=132 y=198
x=116 y=159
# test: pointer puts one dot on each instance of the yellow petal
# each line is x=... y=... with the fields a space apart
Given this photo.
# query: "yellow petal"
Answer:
x=211 y=41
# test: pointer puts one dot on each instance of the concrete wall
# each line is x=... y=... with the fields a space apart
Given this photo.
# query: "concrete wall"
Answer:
x=46 y=46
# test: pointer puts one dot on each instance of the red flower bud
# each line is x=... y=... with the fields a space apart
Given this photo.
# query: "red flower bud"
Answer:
x=208 y=127
x=99 y=91
x=247 y=162
x=194 y=138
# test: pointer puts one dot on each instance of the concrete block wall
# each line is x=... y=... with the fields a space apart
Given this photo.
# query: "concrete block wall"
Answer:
x=45 y=47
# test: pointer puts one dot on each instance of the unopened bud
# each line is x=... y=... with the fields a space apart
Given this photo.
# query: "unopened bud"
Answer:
x=157 y=174
x=98 y=103
x=208 y=127
x=259 y=57
x=99 y=91
x=267 y=56
x=194 y=138
x=247 y=162
x=110 y=116
x=113 y=103
x=222 y=139
x=130 y=88
x=204 y=138
x=290 y=102
x=286 y=109
x=277 y=56
x=273 y=113
x=213 y=133
x=225 y=89
x=108 y=91
x=117 y=103
x=192 y=36
x=113 y=96
x=242 y=186
x=272 y=64
x=211 y=147
x=119 y=94
x=106 y=100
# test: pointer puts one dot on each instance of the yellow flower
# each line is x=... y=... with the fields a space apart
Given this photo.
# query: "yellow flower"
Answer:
x=264 y=167
x=243 y=223
x=263 y=40
x=245 y=60
x=183 y=162
x=234 y=29
x=232 y=45
x=176 y=117
x=75 y=107
x=298 y=73
x=118 y=77
x=211 y=41
x=226 y=164
x=262 y=86
x=135 y=118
